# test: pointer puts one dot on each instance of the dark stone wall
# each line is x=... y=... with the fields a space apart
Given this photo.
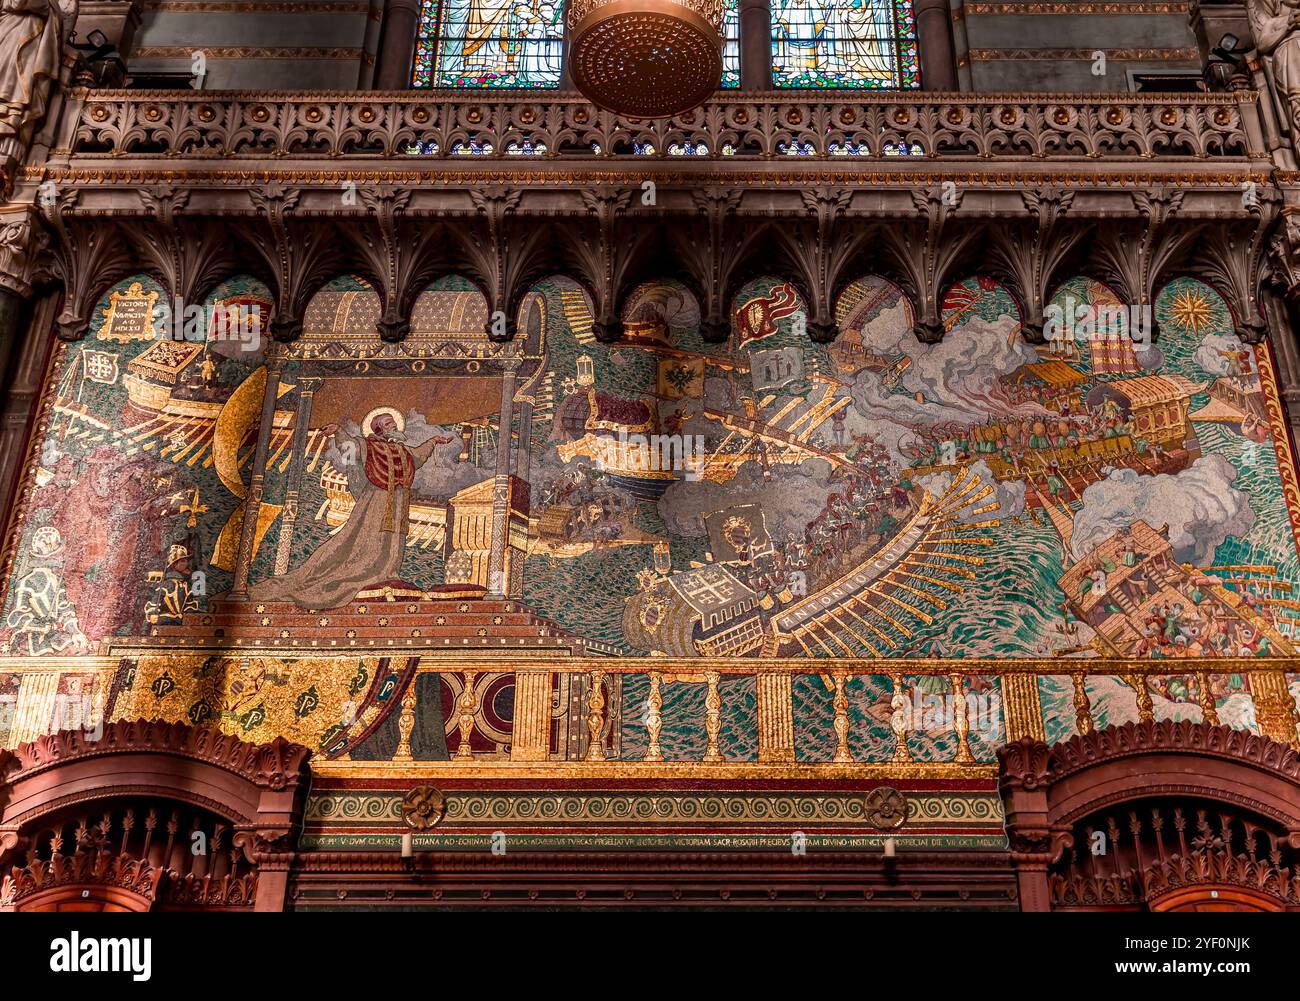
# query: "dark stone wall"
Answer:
x=276 y=45
x=1034 y=46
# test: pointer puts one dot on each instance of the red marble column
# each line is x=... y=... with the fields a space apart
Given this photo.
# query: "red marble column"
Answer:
x=23 y=377
x=397 y=44
x=755 y=45
x=934 y=38
x=1282 y=315
x=566 y=77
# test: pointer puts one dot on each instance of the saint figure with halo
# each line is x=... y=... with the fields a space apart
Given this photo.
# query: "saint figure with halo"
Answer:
x=367 y=550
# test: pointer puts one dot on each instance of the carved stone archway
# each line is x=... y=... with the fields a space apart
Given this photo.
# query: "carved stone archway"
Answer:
x=108 y=819
x=1209 y=818
x=1217 y=897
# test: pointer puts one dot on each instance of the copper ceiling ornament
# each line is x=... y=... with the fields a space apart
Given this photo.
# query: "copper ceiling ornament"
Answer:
x=885 y=808
x=423 y=807
x=646 y=58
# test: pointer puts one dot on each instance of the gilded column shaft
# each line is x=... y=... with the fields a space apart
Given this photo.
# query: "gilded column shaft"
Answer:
x=34 y=713
x=1146 y=710
x=1021 y=708
x=840 y=702
x=1275 y=707
x=1082 y=707
x=257 y=481
x=960 y=719
x=596 y=717
x=405 y=724
x=1205 y=695
x=899 y=721
x=530 y=738
x=775 y=718
x=712 y=716
x=468 y=703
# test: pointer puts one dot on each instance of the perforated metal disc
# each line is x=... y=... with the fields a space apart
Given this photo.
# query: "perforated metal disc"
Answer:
x=646 y=58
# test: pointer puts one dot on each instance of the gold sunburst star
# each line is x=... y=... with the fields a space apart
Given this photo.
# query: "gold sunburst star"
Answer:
x=1191 y=310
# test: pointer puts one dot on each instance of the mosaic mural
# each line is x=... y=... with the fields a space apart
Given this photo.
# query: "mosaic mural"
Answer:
x=979 y=500
x=143 y=429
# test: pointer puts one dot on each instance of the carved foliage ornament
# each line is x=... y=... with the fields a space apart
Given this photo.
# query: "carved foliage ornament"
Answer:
x=423 y=808
x=245 y=124
x=1167 y=735
x=275 y=765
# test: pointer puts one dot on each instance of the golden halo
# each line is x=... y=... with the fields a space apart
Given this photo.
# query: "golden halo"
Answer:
x=392 y=412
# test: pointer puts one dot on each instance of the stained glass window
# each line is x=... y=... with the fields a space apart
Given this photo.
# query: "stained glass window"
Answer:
x=844 y=43
x=731 y=43
x=489 y=43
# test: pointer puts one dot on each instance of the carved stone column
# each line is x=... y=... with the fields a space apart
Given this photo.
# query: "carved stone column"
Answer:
x=755 y=45
x=26 y=366
x=24 y=338
x=21 y=240
x=1024 y=765
x=934 y=38
x=397 y=44
x=11 y=311
x=1282 y=314
x=523 y=452
x=1282 y=310
x=566 y=77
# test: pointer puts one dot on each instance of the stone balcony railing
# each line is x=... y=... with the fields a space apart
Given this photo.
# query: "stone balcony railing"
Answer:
x=1136 y=129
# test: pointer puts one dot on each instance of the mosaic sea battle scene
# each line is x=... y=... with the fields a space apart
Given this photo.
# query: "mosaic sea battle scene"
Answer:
x=984 y=498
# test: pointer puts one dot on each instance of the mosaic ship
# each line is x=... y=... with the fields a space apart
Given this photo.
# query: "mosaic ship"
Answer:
x=1237 y=402
x=1153 y=434
x=721 y=610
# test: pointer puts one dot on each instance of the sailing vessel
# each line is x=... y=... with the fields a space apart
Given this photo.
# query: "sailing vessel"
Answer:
x=870 y=608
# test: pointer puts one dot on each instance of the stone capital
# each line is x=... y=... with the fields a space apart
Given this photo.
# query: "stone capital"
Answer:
x=21 y=240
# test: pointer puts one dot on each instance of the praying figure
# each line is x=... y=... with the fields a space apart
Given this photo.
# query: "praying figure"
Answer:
x=368 y=549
